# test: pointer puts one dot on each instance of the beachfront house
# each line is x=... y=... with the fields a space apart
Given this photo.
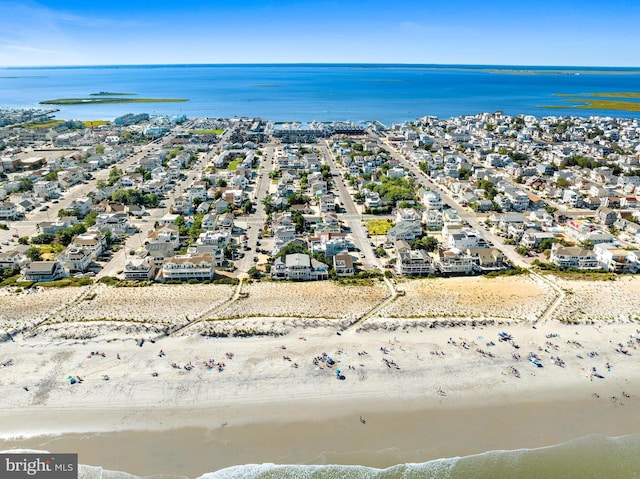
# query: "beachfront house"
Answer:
x=94 y=241
x=183 y=268
x=75 y=259
x=299 y=267
x=412 y=262
x=139 y=269
x=573 y=257
x=43 y=271
x=453 y=261
x=343 y=264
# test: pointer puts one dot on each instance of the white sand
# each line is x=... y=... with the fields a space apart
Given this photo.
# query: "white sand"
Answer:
x=262 y=378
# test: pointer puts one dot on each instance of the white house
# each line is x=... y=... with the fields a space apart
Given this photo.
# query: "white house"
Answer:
x=139 y=269
x=299 y=267
x=199 y=267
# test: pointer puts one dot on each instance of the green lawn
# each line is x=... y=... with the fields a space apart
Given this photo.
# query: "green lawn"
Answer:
x=207 y=132
x=88 y=123
x=46 y=124
x=233 y=165
x=379 y=227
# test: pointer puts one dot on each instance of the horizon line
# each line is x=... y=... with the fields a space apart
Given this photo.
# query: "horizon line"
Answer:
x=337 y=64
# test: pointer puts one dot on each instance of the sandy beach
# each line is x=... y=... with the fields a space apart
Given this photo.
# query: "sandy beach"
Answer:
x=420 y=380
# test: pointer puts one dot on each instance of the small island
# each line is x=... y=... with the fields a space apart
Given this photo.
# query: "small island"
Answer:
x=111 y=93
x=618 y=101
x=108 y=100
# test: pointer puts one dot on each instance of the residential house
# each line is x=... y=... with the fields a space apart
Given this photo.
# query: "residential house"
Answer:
x=45 y=189
x=14 y=258
x=183 y=268
x=227 y=221
x=8 y=210
x=329 y=244
x=343 y=264
x=158 y=251
x=412 y=262
x=466 y=238
x=75 y=259
x=299 y=267
x=209 y=221
x=95 y=242
x=168 y=233
x=139 y=269
x=613 y=259
x=453 y=261
x=606 y=216
x=117 y=224
x=531 y=239
x=219 y=239
x=169 y=219
x=282 y=235
x=432 y=220
x=81 y=206
x=327 y=203
x=220 y=205
x=487 y=259
x=432 y=200
x=43 y=271
x=573 y=257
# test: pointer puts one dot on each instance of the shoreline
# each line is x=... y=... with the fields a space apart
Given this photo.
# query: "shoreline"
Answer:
x=429 y=374
x=203 y=420
x=388 y=438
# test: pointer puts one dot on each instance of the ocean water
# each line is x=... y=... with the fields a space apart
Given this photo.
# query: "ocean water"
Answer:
x=591 y=457
x=387 y=93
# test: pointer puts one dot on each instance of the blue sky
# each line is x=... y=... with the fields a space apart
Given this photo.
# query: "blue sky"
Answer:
x=542 y=32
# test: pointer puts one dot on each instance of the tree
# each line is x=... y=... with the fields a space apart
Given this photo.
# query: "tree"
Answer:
x=427 y=243
x=100 y=149
x=545 y=244
x=562 y=183
x=326 y=171
x=25 y=184
x=254 y=272
x=64 y=236
x=292 y=248
x=267 y=202
x=90 y=219
x=64 y=212
x=34 y=254
x=23 y=240
x=52 y=176
x=114 y=175
x=43 y=238
x=298 y=221
x=586 y=244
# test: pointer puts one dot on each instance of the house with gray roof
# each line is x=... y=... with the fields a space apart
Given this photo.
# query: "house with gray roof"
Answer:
x=299 y=267
x=43 y=271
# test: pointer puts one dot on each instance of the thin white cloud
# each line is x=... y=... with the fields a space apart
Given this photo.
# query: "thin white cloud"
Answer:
x=29 y=49
x=412 y=27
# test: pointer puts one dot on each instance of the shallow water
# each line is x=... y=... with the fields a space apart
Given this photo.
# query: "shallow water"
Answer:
x=588 y=457
x=387 y=93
